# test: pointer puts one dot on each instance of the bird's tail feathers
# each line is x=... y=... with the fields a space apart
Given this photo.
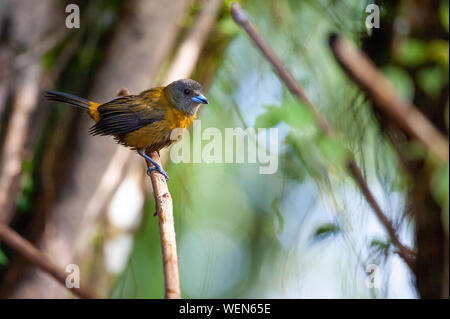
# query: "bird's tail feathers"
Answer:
x=55 y=96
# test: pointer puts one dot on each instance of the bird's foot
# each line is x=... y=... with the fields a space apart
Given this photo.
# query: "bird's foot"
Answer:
x=159 y=169
x=155 y=167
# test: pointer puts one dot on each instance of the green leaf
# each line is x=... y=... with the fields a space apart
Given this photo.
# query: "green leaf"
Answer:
x=27 y=167
x=412 y=52
x=438 y=52
x=23 y=203
x=3 y=259
x=432 y=79
x=228 y=26
x=292 y=166
x=440 y=184
x=379 y=246
x=27 y=184
x=444 y=13
x=270 y=118
x=326 y=231
x=293 y=114
x=334 y=150
x=401 y=80
x=440 y=191
x=299 y=116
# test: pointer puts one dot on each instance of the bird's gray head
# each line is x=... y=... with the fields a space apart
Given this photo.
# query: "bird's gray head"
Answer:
x=186 y=95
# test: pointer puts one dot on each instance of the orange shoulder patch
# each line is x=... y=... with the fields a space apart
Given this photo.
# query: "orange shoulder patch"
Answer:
x=93 y=111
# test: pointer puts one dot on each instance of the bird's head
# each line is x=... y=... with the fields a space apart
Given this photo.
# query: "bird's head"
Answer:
x=186 y=95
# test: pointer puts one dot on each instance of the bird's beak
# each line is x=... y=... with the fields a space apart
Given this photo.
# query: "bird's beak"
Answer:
x=200 y=99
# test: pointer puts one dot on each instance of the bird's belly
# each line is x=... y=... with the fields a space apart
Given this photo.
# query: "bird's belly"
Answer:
x=154 y=134
x=152 y=137
x=159 y=134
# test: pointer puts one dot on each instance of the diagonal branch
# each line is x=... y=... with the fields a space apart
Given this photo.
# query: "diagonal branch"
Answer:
x=241 y=19
x=38 y=259
x=406 y=115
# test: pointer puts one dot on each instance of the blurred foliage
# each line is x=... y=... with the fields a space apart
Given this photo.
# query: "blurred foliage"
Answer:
x=412 y=52
x=432 y=79
x=326 y=231
x=24 y=201
x=143 y=275
x=3 y=258
x=444 y=14
x=401 y=80
x=295 y=115
x=440 y=189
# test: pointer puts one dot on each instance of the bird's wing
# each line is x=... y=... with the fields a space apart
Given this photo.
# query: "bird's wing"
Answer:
x=126 y=114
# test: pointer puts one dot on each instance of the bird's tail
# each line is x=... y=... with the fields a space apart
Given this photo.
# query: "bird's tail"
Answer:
x=82 y=103
x=55 y=96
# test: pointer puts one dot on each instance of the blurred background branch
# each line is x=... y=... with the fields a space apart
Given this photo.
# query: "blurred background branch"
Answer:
x=36 y=258
x=403 y=113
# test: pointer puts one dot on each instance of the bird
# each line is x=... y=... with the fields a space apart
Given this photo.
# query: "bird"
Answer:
x=144 y=122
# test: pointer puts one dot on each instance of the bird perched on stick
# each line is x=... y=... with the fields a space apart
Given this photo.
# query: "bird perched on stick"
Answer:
x=143 y=122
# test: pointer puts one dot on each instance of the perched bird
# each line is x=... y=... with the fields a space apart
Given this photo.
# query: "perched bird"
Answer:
x=143 y=122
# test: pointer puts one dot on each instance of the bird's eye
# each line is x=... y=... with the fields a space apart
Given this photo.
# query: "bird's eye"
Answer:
x=187 y=91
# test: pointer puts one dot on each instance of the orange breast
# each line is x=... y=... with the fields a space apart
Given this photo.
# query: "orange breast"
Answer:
x=178 y=119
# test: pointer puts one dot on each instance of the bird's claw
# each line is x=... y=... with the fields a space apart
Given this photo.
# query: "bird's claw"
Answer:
x=158 y=169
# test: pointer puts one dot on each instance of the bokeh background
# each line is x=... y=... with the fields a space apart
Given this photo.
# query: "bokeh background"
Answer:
x=305 y=231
